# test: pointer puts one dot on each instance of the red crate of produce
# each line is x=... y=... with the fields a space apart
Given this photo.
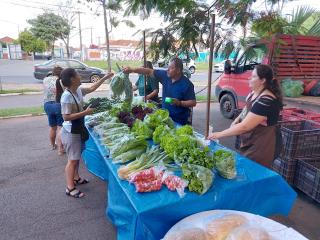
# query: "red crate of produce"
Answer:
x=307 y=177
x=300 y=139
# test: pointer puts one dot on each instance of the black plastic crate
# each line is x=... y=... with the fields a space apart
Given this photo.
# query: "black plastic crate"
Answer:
x=286 y=168
x=307 y=177
x=300 y=139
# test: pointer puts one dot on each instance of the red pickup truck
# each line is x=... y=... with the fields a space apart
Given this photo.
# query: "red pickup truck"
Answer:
x=291 y=56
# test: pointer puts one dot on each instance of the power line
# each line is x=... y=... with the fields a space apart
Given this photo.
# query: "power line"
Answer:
x=41 y=8
x=50 y=4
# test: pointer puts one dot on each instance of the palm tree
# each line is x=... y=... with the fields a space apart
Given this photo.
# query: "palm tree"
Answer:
x=304 y=20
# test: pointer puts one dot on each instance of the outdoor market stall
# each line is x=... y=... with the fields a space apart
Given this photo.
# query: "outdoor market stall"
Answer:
x=159 y=173
x=255 y=190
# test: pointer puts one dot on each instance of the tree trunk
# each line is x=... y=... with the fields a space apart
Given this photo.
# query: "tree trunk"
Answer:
x=67 y=43
x=244 y=29
x=52 y=50
x=107 y=34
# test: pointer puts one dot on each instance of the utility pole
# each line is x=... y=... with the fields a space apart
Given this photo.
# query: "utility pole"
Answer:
x=144 y=64
x=212 y=33
x=81 y=57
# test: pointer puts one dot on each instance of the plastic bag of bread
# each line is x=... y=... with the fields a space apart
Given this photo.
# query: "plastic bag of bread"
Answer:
x=220 y=228
x=249 y=233
x=187 y=234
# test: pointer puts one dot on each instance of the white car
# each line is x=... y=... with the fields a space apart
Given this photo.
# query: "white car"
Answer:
x=187 y=64
x=219 y=67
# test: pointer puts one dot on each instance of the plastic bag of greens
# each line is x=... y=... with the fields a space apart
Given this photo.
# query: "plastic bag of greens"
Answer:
x=200 y=178
x=225 y=164
x=292 y=88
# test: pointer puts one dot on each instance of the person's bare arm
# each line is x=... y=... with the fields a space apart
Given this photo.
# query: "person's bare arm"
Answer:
x=153 y=94
x=250 y=122
x=97 y=84
x=186 y=104
x=144 y=71
x=74 y=116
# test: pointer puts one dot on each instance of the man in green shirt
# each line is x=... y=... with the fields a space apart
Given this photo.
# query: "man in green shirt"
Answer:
x=152 y=86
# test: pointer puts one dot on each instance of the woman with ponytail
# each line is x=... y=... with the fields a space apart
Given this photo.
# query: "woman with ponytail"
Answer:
x=256 y=126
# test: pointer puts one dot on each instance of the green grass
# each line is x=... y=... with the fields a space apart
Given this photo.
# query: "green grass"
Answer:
x=201 y=67
x=103 y=64
x=23 y=90
x=201 y=98
x=8 y=112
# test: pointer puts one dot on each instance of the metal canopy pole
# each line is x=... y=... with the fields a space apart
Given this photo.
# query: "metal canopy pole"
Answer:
x=212 y=32
x=144 y=64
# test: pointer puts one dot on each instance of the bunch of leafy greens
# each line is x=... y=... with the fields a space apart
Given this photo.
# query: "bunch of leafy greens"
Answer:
x=198 y=156
x=141 y=129
x=184 y=130
x=225 y=163
x=102 y=104
x=129 y=143
x=200 y=178
x=120 y=84
x=159 y=117
x=175 y=145
x=159 y=132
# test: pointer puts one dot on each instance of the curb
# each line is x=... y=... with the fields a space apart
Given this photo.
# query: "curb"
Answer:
x=35 y=93
x=10 y=94
x=205 y=101
x=22 y=116
x=19 y=94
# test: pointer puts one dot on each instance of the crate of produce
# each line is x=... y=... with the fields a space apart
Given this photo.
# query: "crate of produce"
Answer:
x=307 y=177
x=300 y=139
x=300 y=113
x=315 y=119
x=285 y=167
x=289 y=118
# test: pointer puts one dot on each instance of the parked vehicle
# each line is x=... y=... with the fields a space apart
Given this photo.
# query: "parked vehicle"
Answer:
x=88 y=74
x=219 y=67
x=291 y=56
x=188 y=64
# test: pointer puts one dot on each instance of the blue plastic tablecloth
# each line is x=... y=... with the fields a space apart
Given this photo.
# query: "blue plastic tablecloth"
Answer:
x=256 y=190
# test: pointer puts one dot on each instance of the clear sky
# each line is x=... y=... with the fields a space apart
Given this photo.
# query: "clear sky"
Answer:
x=14 y=15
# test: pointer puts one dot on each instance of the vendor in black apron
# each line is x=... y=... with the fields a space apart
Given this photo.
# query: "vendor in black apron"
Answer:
x=256 y=126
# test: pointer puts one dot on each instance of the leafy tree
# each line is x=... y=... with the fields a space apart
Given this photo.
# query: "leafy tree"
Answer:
x=110 y=9
x=50 y=27
x=30 y=43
